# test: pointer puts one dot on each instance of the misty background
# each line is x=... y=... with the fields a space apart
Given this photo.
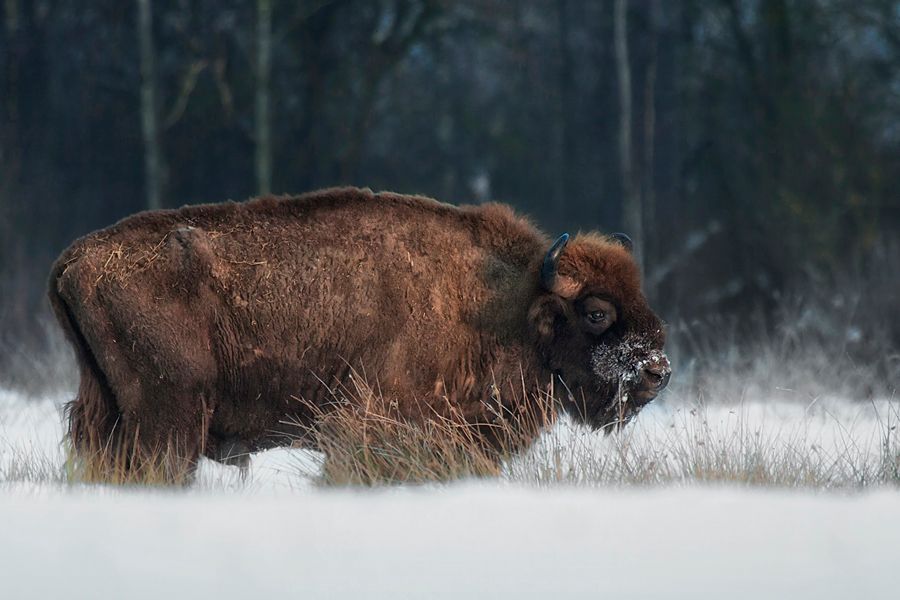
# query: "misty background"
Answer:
x=751 y=148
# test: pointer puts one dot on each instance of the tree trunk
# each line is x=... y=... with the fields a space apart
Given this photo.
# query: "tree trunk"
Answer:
x=263 y=96
x=153 y=165
x=632 y=214
x=648 y=190
x=563 y=128
x=8 y=100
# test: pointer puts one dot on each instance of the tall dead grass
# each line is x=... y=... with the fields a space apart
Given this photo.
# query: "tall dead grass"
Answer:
x=838 y=446
x=365 y=441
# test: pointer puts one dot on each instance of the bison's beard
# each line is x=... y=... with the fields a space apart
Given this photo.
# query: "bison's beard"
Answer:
x=610 y=406
x=618 y=395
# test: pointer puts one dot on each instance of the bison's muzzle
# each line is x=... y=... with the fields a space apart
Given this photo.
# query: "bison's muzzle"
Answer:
x=653 y=375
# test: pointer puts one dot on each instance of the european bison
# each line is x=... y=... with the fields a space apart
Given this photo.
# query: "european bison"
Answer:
x=215 y=326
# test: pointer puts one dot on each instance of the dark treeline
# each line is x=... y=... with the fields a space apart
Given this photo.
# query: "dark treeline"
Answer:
x=743 y=143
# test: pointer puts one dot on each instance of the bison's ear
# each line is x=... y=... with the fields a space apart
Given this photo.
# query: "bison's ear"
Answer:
x=546 y=315
x=551 y=262
x=624 y=240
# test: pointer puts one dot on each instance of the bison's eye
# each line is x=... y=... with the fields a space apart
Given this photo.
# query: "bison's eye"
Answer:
x=599 y=314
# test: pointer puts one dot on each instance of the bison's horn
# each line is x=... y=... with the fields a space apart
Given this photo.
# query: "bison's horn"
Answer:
x=548 y=270
x=624 y=240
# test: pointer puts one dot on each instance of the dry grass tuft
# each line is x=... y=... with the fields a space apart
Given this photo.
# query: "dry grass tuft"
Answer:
x=367 y=447
x=366 y=442
x=130 y=465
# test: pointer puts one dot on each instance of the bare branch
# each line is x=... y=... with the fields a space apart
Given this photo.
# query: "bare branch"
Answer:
x=188 y=83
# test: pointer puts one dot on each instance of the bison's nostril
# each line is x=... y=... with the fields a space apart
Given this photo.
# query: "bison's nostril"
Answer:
x=665 y=380
x=656 y=377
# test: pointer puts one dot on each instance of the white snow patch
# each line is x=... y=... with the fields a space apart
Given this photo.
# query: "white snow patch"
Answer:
x=462 y=541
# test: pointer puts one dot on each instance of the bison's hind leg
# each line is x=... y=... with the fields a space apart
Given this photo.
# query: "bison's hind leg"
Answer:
x=108 y=447
x=163 y=448
x=143 y=411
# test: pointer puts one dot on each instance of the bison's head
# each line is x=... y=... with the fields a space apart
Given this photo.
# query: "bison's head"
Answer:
x=596 y=332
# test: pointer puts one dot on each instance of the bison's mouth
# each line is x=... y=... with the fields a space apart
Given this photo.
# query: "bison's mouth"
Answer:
x=611 y=405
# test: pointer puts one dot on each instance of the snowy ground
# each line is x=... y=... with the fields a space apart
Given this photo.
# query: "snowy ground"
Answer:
x=279 y=536
x=467 y=541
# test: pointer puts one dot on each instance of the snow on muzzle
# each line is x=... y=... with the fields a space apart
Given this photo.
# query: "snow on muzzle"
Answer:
x=633 y=367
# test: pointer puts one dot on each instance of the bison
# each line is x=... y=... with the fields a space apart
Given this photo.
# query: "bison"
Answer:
x=223 y=326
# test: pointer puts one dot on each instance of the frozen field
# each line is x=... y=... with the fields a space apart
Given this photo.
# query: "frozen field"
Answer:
x=525 y=535
x=465 y=541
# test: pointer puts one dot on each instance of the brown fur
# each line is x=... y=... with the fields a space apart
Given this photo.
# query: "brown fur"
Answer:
x=216 y=325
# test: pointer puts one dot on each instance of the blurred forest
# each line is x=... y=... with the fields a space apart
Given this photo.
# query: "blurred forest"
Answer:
x=749 y=147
